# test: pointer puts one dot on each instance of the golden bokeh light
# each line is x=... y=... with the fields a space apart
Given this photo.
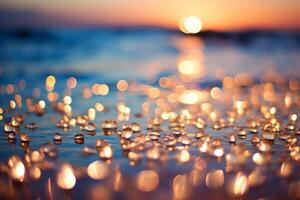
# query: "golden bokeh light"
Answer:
x=191 y=67
x=98 y=170
x=50 y=83
x=147 y=180
x=193 y=96
x=122 y=85
x=190 y=25
x=215 y=179
x=65 y=177
x=181 y=189
x=239 y=185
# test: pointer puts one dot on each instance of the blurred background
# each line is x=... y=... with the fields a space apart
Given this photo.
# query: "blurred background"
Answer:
x=142 y=39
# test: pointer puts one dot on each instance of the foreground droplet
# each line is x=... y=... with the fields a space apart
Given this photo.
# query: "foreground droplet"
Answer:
x=286 y=169
x=242 y=132
x=35 y=173
x=268 y=135
x=57 y=137
x=109 y=124
x=232 y=138
x=24 y=137
x=255 y=139
x=147 y=180
x=36 y=156
x=217 y=151
x=134 y=156
x=261 y=158
x=11 y=136
x=31 y=125
x=214 y=179
x=16 y=168
x=89 y=150
x=106 y=152
x=79 y=138
x=183 y=156
x=8 y=128
x=153 y=153
x=127 y=133
x=181 y=187
x=65 y=178
x=136 y=127
x=100 y=143
x=90 y=127
x=98 y=170
x=256 y=177
x=264 y=146
x=238 y=186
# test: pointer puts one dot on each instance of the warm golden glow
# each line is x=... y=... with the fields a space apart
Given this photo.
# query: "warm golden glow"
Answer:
x=67 y=100
x=17 y=168
x=71 y=82
x=190 y=97
x=91 y=114
x=239 y=185
x=106 y=152
x=190 y=25
x=97 y=170
x=100 y=89
x=99 y=107
x=122 y=85
x=181 y=187
x=187 y=67
x=50 y=83
x=183 y=156
x=214 y=179
x=147 y=180
x=65 y=177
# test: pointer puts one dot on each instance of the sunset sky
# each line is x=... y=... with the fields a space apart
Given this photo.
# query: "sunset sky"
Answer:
x=215 y=14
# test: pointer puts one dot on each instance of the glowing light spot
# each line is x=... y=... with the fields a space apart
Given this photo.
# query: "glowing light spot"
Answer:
x=153 y=92
x=12 y=104
x=91 y=114
x=65 y=177
x=100 y=89
x=42 y=104
x=190 y=97
x=214 y=179
x=106 y=152
x=71 y=82
x=239 y=185
x=216 y=93
x=147 y=180
x=181 y=187
x=190 y=25
x=186 y=67
x=183 y=156
x=17 y=168
x=99 y=107
x=122 y=85
x=52 y=96
x=67 y=100
x=35 y=173
x=97 y=170
x=190 y=67
x=50 y=83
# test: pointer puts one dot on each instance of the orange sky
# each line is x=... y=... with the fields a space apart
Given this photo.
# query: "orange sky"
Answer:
x=215 y=14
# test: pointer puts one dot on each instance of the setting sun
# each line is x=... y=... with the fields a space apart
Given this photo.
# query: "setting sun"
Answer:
x=190 y=25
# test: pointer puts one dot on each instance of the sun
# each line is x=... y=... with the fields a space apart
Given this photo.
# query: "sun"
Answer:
x=190 y=25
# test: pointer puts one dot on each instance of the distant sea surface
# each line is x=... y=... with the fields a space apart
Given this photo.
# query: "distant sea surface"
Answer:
x=140 y=53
